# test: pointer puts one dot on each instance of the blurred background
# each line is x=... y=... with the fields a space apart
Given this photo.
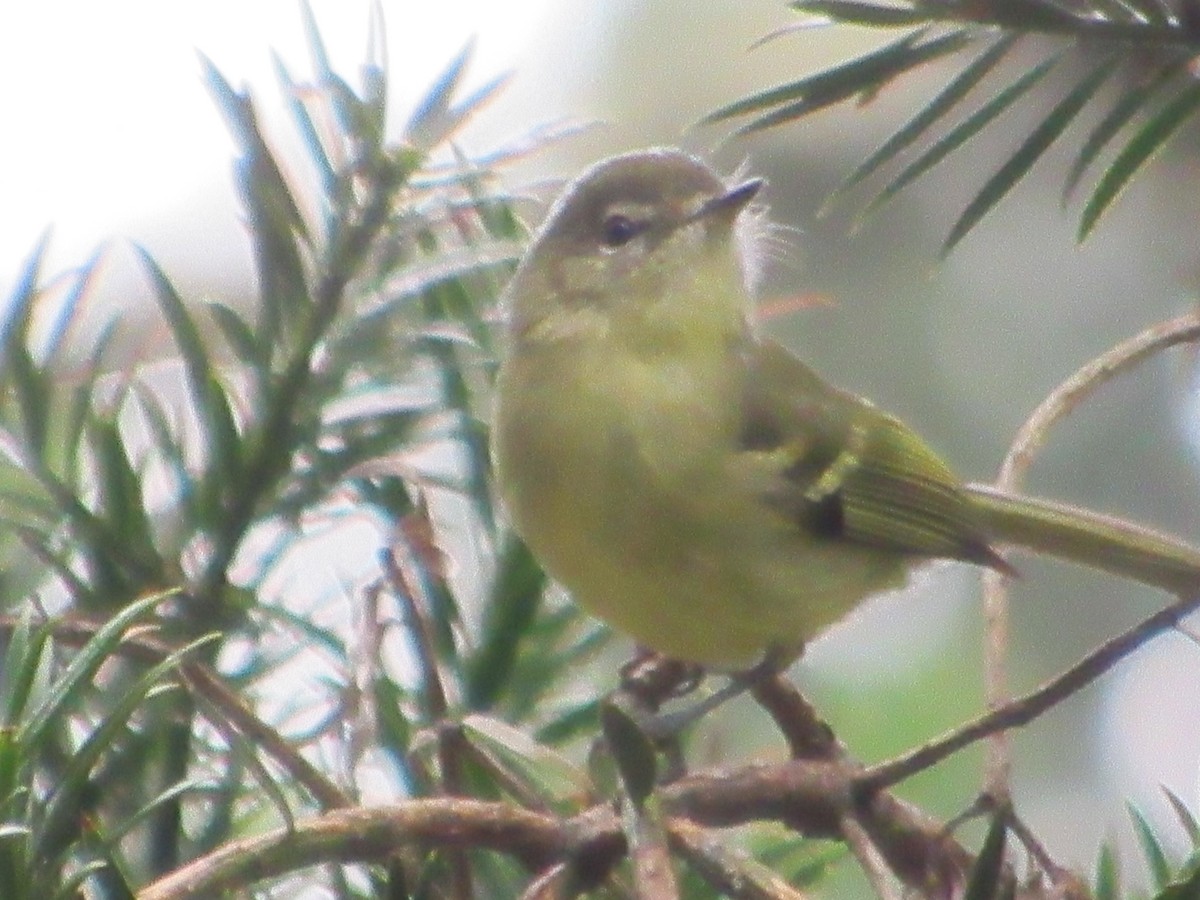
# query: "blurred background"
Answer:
x=111 y=135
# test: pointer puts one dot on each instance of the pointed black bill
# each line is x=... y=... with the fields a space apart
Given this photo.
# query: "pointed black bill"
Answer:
x=730 y=203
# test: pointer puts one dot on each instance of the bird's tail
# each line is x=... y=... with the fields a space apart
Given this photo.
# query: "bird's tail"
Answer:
x=1090 y=539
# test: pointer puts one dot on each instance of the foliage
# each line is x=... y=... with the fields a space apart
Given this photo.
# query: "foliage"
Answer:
x=1130 y=60
x=203 y=476
x=1169 y=882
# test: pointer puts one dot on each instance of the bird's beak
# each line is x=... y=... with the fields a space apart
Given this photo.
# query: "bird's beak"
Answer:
x=727 y=205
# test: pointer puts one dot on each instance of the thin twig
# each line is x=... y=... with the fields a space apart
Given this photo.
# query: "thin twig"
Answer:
x=653 y=877
x=406 y=594
x=263 y=736
x=1027 y=708
x=1038 y=853
x=552 y=884
x=504 y=777
x=870 y=860
x=449 y=735
x=258 y=771
x=733 y=873
x=364 y=665
x=1025 y=445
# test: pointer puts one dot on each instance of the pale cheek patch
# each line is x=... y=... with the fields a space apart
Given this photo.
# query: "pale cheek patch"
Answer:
x=759 y=241
x=754 y=236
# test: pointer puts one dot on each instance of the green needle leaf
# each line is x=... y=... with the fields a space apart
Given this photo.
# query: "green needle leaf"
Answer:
x=302 y=120
x=22 y=659
x=1108 y=878
x=984 y=880
x=1130 y=102
x=218 y=427
x=66 y=316
x=1186 y=885
x=33 y=389
x=1034 y=15
x=316 y=44
x=341 y=101
x=1144 y=144
x=873 y=14
x=239 y=335
x=119 y=487
x=78 y=674
x=1156 y=857
x=1031 y=149
x=430 y=120
x=544 y=771
x=183 y=329
x=171 y=454
x=515 y=599
x=942 y=104
x=632 y=751
x=864 y=74
x=15 y=325
x=964 y=131
x=73 y=779
x=1186 y=818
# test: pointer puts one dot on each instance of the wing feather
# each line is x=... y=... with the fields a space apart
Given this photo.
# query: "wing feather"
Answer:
x=847 y=471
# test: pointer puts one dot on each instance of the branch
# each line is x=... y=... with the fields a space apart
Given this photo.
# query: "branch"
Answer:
x=811 y=797
x=372 y=834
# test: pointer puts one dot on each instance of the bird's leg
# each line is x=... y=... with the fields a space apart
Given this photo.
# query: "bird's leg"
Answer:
x=665 y=726
x=654 y=679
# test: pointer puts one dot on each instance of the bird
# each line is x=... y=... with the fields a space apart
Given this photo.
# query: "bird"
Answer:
x=688 y=479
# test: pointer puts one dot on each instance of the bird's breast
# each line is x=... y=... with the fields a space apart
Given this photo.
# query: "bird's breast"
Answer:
x=602 y=454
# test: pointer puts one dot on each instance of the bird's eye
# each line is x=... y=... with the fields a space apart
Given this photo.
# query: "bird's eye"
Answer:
x=620 y=230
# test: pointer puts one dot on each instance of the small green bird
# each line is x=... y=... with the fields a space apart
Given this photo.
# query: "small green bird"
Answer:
x=687 y=480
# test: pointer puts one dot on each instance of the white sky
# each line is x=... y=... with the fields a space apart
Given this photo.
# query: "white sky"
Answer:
x=106 y=123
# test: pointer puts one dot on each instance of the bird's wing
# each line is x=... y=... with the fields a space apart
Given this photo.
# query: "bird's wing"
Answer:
x=844 y=470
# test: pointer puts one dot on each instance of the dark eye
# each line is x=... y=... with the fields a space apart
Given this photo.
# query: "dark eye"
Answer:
x=620 y=230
